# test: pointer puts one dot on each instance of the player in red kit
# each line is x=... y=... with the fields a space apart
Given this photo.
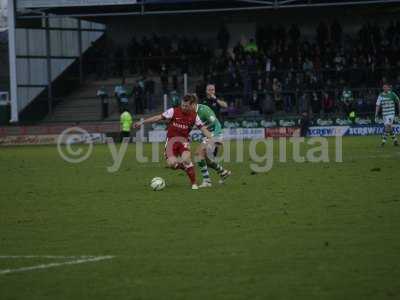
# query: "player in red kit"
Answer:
x=180 y=122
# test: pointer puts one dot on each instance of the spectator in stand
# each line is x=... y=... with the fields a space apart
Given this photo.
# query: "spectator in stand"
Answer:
x=339 y=61
x=267 y=104
x=288 y=102
x=347 y=100
x=103 y=95
x=268 y=65
x=277 y=92
x=308 y=66
x=138 y=95
x=251 y=47
x=315 y=103
x=289 y=88
x=268 y=84
x=260 y=90
x=255 y=101
x=327 y=103
x=303 y=102
x=164 y=78
x=121 y=96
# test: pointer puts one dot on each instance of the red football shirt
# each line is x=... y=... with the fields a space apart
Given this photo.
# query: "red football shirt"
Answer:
x=180 y=123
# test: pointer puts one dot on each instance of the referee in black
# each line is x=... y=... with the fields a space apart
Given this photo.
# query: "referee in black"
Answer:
x=215 y=104
x=213 y=101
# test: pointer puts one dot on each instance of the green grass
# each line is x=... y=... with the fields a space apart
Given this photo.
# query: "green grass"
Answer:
x=300 y=231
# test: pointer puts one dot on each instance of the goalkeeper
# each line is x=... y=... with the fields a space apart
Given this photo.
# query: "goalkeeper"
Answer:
x=208 y=149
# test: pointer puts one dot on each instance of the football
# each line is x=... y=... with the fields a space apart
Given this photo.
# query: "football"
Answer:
x=157 y=184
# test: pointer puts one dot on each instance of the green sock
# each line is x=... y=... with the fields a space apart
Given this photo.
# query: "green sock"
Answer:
x=217 y=167
x=204 y=170
x=384 y=137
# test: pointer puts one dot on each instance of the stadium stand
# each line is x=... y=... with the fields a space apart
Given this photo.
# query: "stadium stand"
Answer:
x=279 y=72
x=264 y=68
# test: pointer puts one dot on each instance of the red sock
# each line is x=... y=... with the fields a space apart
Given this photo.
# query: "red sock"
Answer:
x=191 y=173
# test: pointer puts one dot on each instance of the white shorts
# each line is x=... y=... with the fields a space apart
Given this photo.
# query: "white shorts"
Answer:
x=388 y=120
x=211 y=145
x=219 y=139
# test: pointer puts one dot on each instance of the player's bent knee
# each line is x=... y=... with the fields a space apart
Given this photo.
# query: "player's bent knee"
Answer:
x=186 y=158
x=172 y=162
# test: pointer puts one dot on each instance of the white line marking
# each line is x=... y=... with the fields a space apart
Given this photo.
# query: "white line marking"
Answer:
x=52 y=265
x=46 y=256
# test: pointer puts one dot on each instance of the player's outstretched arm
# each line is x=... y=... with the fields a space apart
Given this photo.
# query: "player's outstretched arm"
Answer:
x=222 y=103
x=152 y=119
x=206 y=132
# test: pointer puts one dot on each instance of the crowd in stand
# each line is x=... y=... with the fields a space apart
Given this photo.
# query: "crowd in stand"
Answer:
x=280 y=69
x=137 y=97
x=284 y=71
x=148 y=55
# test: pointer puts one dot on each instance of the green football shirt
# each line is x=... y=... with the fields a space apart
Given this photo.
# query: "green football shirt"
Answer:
x=388 y=103
x=207 y=116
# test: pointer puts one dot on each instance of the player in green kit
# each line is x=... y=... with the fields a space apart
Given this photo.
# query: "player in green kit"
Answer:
x=208 y=149
x=387 y=100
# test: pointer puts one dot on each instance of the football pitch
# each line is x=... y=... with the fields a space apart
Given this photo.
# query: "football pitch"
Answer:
x=325 y=230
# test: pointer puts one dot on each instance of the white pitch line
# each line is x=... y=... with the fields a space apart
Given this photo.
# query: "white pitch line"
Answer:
x=46 y=256
x=52 y=265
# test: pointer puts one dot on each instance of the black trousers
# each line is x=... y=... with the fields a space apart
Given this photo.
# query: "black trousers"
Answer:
x=125 y=134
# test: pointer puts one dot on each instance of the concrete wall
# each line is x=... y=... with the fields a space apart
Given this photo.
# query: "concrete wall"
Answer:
x=32 y=42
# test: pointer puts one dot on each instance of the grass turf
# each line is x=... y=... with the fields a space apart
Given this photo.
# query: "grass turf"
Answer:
x=300 y=231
